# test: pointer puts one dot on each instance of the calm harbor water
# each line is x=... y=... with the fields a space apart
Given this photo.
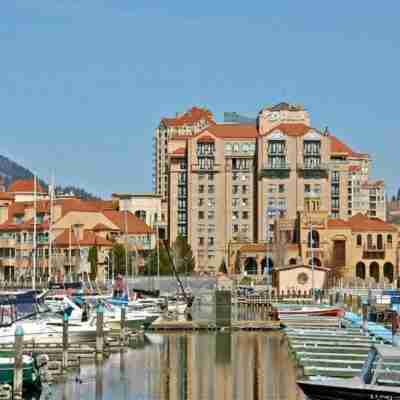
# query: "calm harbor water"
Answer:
x=192 y=366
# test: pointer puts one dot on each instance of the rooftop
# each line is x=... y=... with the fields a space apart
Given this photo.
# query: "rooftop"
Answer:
x=25 y=186
x=190 y=117
x=233 y=131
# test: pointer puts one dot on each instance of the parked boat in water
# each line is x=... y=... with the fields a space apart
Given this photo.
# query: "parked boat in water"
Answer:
x=312 y=311
x=379 y=380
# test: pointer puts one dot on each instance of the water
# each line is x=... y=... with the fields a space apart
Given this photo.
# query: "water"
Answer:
x=192 y=366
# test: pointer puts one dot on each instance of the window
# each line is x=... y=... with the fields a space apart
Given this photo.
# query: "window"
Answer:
x=201 y=188
x=272 y=188
x=211 y=214
x=282 y=204
x=211 y=229
x=210 y=189
x=245 y=189
x=245 y=228
x=201 y=241
x=210 y=177
x=389 y=240
x=235 y=189
x=183 y=165
x=369 y=241
x=281 y=188
x=379 y=242
x=245 y=215
x=235 y=176
x=245 y=202
x=235 y=228
x=201 y=202
x=206 y=163
x=359 y=240
x=307 y=188
x=235 y=203
x=244 y=177
x=205 y=149
x=235 y=215
x=201 y=214
x=211 y=203
x=210 y=241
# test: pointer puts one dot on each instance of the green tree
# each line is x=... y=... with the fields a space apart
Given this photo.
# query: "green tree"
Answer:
x=93 y=259
x=151 y=265
x=183 y=256
x=222 y=268
x=118 y=258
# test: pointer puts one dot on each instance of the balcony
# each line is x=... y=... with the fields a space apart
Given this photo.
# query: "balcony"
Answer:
x=371 y=252
x=277 y=170
x=317 y=171
x=8 y=242
x=212 y=168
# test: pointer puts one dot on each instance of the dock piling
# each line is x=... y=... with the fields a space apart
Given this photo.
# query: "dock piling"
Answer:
x=64 y=364
x=18 y=368
x=99 y=332
x=123 y=319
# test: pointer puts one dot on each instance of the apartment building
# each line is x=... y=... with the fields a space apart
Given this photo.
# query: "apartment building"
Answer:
x=185 y=124
x=230 y=183
x=77 y=225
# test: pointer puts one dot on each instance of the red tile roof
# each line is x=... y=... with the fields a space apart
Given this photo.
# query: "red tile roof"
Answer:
x=190 y=117
x=9 y=225
x=206 y=139
x=7 y=196
x=134 y=224
x=180 y=152
x=233 y=131
x=338 y=224
x=25 y=186
x=102 y=227
x=295 y=129
x=337 y=146
x=89 y=239
x=362 y=223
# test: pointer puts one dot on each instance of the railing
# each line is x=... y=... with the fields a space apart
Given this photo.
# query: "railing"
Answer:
x=277 y=166
x=313 y=167
x=371 y=252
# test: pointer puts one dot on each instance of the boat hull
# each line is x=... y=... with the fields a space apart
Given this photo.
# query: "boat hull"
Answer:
x=327 y=312
x=314 y=391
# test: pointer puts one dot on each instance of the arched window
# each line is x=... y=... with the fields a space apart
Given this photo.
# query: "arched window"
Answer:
x=250 y=266
x=359 y=240
x=292 y=261
x=360 y=270
x=374 y=271
x=389 y=240
x=388 y=271
x=369 y=241
x=264 y=264
x=379 y=241
x=313 y=240
x=316 y=262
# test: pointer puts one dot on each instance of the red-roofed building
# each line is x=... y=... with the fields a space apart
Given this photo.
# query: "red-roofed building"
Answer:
x=229 y=182
x=182 y=126
x=77 y=226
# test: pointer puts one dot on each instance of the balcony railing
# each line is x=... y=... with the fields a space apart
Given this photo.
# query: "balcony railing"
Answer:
x=276 y=170
x=313 y=167
x=371 y=252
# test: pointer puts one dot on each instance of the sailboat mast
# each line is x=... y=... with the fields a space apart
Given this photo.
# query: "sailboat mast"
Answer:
x=34 y=234
x=51 y=227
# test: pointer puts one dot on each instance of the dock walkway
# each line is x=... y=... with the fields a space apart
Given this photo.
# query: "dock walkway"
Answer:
x=329 y=347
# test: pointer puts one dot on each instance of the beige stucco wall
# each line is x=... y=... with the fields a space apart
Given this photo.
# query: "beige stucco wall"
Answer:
x=288 y=279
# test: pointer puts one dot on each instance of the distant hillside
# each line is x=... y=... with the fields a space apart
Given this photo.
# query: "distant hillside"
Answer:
x=11 y=171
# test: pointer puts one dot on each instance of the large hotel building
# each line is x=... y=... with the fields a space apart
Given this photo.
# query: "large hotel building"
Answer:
x=228 y=186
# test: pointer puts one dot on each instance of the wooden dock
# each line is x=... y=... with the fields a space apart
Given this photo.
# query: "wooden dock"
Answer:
x=207 y=325
x=328 y=346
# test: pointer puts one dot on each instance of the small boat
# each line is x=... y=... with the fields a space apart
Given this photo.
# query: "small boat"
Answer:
x=31 y=384
x=379 y=380
x=312 y=311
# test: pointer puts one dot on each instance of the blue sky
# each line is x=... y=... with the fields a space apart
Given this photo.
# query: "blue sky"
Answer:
x=84 y=83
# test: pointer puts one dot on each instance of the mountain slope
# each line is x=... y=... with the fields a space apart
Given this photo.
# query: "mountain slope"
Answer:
x=11 y=171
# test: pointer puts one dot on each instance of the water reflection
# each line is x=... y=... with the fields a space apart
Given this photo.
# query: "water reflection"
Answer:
x=198 y=366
